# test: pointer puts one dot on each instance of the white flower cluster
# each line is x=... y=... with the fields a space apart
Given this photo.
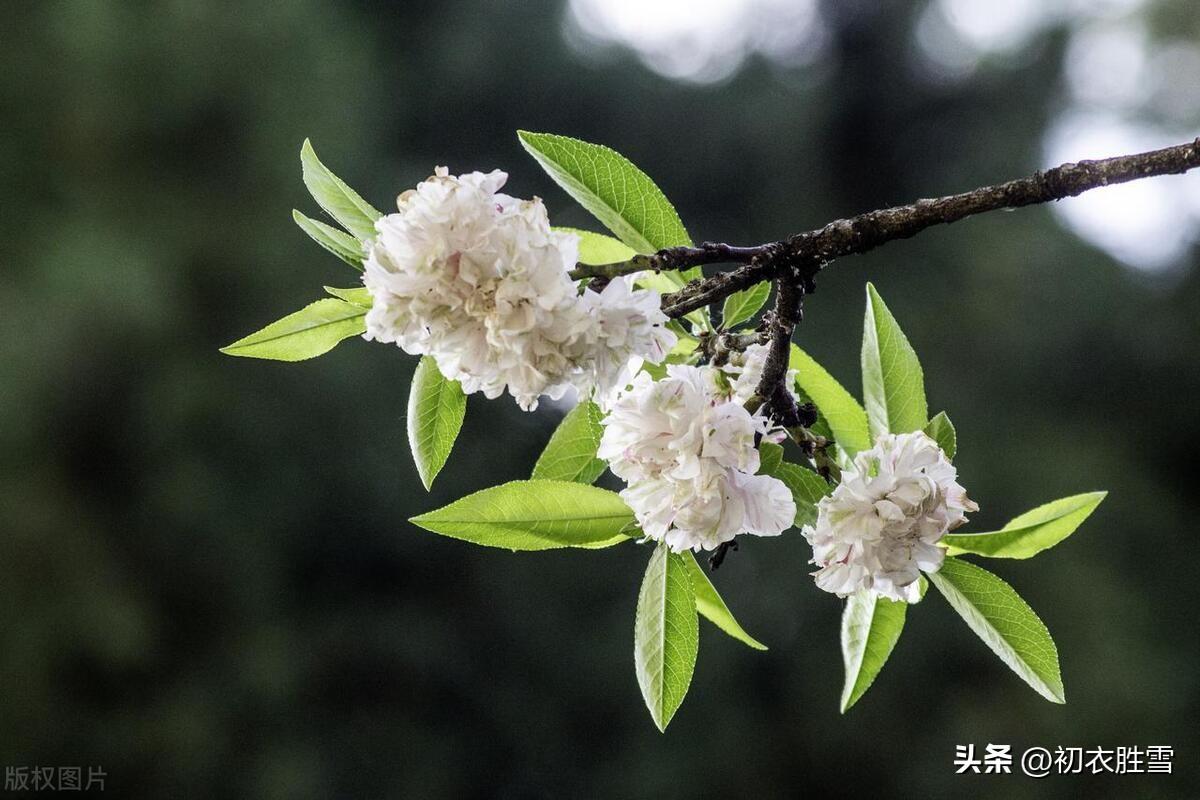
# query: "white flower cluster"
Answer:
x=479 y=281
x=747 y=367
x=686 y=449
x=880 y=527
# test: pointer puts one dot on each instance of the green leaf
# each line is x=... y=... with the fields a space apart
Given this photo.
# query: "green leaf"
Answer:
x=807 y=489
x=359 y=295
x=712 y=607
x=821 y=426
x=533 y=515
x=665 y=634
x=436 y=407
x=339 y=200
x=741 y=306
x=340 y=243
x=770 y=455
x=599 y=248
x=570 y=455
x=685 y=345
x=941 y=430
x=871 y=626
x=663 y=282
x=617 y=193
x=1004 y=622
x=311 y=331
x=655 y=371
x=841 y=411
x=1030 y=533
x=893 y=384
x=621 y=197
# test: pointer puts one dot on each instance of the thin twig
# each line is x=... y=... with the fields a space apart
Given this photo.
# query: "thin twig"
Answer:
x=671 y=258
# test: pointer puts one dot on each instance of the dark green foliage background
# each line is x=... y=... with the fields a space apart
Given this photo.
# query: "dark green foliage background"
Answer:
x=207 y=584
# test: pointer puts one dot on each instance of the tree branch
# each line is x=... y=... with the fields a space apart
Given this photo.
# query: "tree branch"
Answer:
x=867 y=231
x=794 y=262
x=772 y=385
x=670 y=258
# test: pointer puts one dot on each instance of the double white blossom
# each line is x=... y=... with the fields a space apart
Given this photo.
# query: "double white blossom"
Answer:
x=479 y=281
x=686 y=449
x=747 y=369
x=880 y=527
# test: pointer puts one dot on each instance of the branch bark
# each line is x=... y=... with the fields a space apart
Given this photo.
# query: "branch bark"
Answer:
x=794 y=262
x=772 y=385
x=865 y=232
x=671 y=258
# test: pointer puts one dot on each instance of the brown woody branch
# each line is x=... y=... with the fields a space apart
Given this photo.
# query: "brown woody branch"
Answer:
x=781 y=323
x=867 y=231
x=794 y=262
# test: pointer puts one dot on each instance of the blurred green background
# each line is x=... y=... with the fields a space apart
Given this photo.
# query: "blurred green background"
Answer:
x=209 y=587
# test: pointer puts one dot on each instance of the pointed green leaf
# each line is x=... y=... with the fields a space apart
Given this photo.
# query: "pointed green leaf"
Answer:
x=655 y=371
x=359 y=295
x=713 y=608
x=941 y=430
x=617 y=193
x=685 y=345
x=807 y=489
x=770 y=456
x=841 y=411
x=1030 y=533
x=533 y=515
x=666 y=635
x=339 y=200
x=340 y=243
x=665 y=283
x=622 y=197
x=599 y=248
x=311 y=331
x=1004 y=622
x=893 y=383
x=871 y=626
x=436 y=407
x=821 y=426
x=741 y=306
x=570 y=455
